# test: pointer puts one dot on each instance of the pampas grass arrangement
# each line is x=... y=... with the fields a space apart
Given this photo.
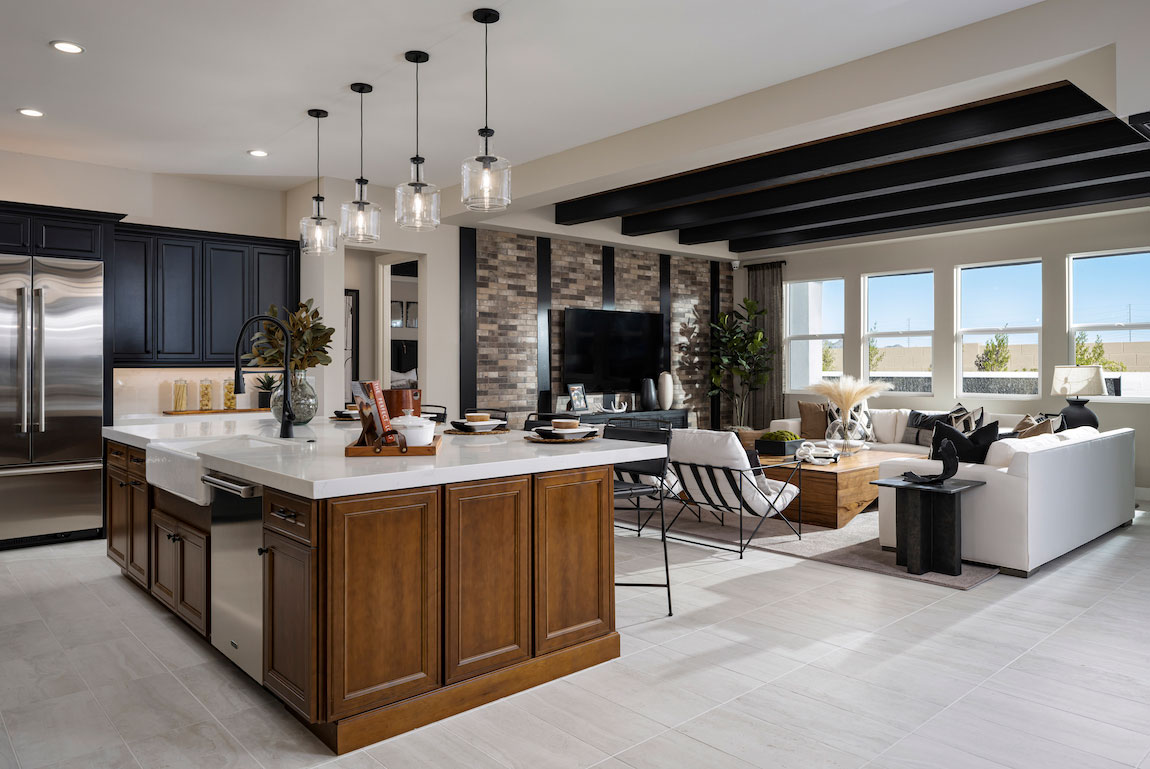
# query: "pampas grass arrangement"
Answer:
x=847 y=392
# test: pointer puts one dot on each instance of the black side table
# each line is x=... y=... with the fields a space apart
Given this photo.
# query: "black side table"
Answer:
x=928 y=524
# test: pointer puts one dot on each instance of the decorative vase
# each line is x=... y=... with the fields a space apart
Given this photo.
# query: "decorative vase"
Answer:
x=846 y=438
x=647 y=399
x=264 y=399
x=303 y=399
x=666 y=390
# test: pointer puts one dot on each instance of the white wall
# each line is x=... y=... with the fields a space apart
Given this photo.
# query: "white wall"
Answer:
x=1050 y=241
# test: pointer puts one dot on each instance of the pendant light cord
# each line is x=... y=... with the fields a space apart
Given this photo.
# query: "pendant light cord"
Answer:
x=486 y=97
x=417 y=109
x=361 y=135
x=317 y=157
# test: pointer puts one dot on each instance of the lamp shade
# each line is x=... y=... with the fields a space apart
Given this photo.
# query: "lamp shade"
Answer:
x=1078 y=382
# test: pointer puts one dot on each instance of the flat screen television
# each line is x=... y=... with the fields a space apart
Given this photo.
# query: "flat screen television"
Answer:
x=610 y=351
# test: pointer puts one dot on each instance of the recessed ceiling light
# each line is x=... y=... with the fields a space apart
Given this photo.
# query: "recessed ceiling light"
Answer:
x=29 y=112
x=64 y=46
x=258 y=153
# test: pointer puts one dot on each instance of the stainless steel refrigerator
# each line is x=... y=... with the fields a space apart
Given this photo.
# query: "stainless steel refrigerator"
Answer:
x=51 y=398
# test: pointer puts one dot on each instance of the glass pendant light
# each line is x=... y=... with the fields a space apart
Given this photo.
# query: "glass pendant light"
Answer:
x=317 y=233
x=416 y=201
x=359 y=219
x=486 y=177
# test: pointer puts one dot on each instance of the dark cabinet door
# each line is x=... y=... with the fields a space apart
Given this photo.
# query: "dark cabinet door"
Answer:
x=291 y=624
x=65 y=237
x=15 y=234
x=383 y=592
x=116 y=505
x=574 y=557
x=132 y=280
x=225 y=298
x=165 y=559
x=192 y=578
x=275 y=278
x=487 y=576
x=139 y=533
x=179 y=281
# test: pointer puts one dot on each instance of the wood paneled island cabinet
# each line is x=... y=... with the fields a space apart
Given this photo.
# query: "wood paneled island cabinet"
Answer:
x=384 y=612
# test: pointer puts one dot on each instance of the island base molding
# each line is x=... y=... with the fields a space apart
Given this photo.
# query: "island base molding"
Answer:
x=365 y=729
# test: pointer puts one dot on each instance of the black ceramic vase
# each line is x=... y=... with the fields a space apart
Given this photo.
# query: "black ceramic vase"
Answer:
x=263 y=400
x=647 y=398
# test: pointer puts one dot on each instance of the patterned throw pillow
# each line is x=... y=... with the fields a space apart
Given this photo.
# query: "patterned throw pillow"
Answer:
x=860 y=412
x=920 y=424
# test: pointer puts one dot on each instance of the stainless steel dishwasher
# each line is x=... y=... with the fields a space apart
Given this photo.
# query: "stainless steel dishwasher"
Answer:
x=237 y=577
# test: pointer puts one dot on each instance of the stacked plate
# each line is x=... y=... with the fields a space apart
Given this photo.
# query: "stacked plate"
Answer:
x=477 y=427
x=565 y=433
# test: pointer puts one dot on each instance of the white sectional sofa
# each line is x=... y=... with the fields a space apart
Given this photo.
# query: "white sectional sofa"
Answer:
x=890 y=424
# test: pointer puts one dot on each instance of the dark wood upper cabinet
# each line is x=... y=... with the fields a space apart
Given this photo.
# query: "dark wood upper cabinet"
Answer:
x=131 y=274
x=62 y=237
x=15 y=234
x=275 y=278
x=178 y=304
x=226 y=271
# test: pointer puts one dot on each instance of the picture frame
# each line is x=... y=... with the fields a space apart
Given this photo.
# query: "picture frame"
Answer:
x=411 y=314
x=396 y=314
x=578 y=395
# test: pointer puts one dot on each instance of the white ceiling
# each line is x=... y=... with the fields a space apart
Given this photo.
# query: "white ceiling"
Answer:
x=187 y=87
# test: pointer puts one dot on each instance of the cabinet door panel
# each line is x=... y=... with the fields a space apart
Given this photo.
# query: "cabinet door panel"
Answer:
x=383 y=594
x=131 y=284
x=291 y=624
x=225 y=298
x=165 y=559
x=274 y=278
x=192 y=578
x=15 y=232
x=487 y=531
x=574 y=557
x=177 y=299
x=117 y=502
x=63 y=237
x=139 y=534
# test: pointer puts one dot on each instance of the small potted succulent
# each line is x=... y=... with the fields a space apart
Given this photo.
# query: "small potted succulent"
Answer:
x=265 y=385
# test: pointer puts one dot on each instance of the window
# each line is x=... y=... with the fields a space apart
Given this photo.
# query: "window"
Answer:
x=813 y=337
x=1000 y=327
x=899 y=329
x=1110 y=319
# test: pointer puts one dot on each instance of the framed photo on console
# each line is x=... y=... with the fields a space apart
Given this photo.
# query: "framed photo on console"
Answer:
x=578 y=395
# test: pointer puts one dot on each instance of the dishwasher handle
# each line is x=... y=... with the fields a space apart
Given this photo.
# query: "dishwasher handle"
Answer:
x=245 y=491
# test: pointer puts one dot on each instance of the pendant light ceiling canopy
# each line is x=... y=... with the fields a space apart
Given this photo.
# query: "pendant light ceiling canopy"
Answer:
x=416 y=201
x=486 y=177
x=359 y=218
x=317 y=233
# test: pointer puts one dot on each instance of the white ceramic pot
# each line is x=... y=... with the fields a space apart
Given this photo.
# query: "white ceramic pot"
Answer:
x=666 y=390
x=416 y=430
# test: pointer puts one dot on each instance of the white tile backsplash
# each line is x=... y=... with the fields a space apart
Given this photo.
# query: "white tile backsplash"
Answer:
x=149 y=390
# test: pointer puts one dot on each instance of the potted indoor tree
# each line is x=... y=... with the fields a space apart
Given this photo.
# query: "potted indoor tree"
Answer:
x=310 y=341
x=740 y=358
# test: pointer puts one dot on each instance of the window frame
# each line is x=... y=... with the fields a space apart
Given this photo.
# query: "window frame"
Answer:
x=960 y=331
x=788 y=338
x=1073 y=329
x=864 y=349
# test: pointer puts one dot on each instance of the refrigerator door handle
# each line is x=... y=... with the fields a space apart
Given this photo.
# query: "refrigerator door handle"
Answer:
x=22 y=357
x=74 y=467
x=41 y=385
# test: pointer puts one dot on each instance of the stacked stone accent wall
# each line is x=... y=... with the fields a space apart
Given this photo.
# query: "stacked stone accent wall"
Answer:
x=576 y=281
x=636 y=280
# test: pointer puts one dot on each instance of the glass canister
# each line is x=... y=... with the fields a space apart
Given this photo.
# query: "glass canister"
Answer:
x=205 y=395
x=229 y=394
x=180 y=395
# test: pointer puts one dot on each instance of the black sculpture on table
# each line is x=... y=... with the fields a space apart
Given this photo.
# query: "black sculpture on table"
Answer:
x=949 y=456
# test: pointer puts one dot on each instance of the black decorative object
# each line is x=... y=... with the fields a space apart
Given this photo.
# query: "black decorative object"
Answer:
x=648 y=401
x=264 y=400
x=1077 y=415
x=949 y=456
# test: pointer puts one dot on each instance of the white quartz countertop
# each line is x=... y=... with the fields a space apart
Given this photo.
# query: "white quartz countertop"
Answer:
x=314 y=466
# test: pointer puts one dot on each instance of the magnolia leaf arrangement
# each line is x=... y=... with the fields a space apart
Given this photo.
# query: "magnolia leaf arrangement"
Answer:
x=740 y=349
x=846 y=392
x=310 y=340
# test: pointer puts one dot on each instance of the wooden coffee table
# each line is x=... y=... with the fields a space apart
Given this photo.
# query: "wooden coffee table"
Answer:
x=833 y=494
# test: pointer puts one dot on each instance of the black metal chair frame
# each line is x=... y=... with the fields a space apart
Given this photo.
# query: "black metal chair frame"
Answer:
x=718 y=509
x=656 y=468
x=438 y=415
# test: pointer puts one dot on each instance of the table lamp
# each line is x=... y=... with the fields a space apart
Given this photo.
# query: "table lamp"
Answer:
x=1077 y=384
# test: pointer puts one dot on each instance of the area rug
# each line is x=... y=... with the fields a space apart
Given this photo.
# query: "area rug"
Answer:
x=855 y=545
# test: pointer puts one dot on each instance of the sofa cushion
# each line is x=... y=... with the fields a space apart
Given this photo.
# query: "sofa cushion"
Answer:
x=902 y=448
x=813 y=424
x=971 y=447
x=1076 y=434
x=1002 y=451
x=885 y=422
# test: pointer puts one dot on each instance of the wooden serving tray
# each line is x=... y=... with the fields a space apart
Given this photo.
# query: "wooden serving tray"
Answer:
x=400 y=449
x=213 y=411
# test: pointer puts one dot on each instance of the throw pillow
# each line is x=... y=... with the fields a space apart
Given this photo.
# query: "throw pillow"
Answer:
x=920 y=424
x=812 y=420
x=970 y=448
x=1025 y=423
x=860 y=412
x=965 y=420
x=1045 y=427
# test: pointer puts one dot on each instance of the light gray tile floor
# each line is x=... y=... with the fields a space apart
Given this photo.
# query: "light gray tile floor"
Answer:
x=769 y=661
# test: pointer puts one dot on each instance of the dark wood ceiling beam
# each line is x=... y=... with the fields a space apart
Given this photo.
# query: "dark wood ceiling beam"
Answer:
x=1067 y=146
x=1034 y=181
x=1047 y=201
x=1047 y=108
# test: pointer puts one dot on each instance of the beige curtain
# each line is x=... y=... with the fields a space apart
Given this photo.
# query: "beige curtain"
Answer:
x=765 y=286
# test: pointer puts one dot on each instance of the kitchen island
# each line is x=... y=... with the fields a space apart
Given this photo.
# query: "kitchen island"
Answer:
x=396 y=591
